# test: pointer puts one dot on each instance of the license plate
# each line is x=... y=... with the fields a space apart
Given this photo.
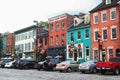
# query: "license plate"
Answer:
x=103 y=67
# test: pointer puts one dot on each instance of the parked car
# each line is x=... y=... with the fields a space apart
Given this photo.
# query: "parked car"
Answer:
x=4 y=61
x=9 y=64
x=50 y=64
x=40 y=65
x=15 y=63
x=68 y=66
x=113 y=65
x=88 y=66
x=26 y=64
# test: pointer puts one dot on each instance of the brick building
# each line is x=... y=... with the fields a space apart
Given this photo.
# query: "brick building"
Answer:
x=57 y=34
x=105 y=29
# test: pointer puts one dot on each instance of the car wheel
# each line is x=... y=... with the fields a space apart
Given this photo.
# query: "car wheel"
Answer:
x=116 y=71
x=61 y=70
x=103 y=71
x=25 y=67
x=94 y=70
x=54 y=68
x=82 y=71
x=69 y=69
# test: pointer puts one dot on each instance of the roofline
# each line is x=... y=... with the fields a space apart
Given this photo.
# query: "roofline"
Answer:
x=26 y=28
x=64 y=14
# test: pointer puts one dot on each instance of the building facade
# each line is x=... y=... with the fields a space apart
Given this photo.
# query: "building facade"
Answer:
x=42 y=44
x=9 y=44
x=25 y=42
x=57 y=34
x=78 y=40
x=105 y=29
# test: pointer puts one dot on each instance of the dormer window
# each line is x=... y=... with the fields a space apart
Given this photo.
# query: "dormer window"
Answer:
x=75 y=21
x=108 y=1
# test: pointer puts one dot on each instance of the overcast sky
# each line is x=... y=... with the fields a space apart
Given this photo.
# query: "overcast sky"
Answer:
x=18 y=14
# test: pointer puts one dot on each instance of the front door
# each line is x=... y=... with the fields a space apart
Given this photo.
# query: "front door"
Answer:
x=75 y=56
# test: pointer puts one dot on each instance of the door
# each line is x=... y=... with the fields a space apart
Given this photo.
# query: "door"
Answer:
x=75 y=55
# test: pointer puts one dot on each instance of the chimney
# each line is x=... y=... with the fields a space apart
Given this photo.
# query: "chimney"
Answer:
x=103 y=0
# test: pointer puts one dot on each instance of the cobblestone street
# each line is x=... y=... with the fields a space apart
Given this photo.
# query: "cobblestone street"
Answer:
x=15 y=74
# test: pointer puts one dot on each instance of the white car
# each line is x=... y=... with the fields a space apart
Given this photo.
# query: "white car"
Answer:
x=9 y=64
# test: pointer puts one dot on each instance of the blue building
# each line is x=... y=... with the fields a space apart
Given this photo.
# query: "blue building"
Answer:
x=78 y=39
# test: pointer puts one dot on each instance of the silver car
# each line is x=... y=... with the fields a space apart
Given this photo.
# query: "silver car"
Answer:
x=67 y=66
x=88 y=66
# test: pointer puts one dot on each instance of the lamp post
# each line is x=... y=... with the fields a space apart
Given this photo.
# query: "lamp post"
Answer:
x=98 y=37
x=36 y=39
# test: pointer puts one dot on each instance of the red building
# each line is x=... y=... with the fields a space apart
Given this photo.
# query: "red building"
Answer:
x=9 y=44
x=105 y=30
x=57 y=34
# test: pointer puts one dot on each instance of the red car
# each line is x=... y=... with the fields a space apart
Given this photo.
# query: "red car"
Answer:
x=113 y=65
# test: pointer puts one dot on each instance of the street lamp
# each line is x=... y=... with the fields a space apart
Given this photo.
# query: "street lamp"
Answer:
x=98 y=37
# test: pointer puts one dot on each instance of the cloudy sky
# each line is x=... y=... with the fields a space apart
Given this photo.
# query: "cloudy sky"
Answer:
x=18 y=14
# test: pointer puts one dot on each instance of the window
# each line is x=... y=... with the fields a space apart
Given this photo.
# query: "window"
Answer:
x=80 y=53
x=110 y=51
x=95 y=54
x=70 y=54
x=108 y=1
x=95 y=18
x=87 y=33
x=104 y=34
x=29 y=47
x=113 y=33
x=95 y=35
x=57 y=40
x=113 y=14
x=57 y=26
x=63 y=24
x=71 y=36
x=104 y=16
x=51 y=41
x=75 y=21
x=87 y=53
x=32 y=45
x=51 y=27
x=25 y=46
x=78 y=35
x=62 y=39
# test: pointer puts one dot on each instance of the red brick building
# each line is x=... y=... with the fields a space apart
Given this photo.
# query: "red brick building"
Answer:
x=57 y=34
x=9 y=44
x=105 y=29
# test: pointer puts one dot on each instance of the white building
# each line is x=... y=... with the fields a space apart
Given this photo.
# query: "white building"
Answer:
x=24 y=41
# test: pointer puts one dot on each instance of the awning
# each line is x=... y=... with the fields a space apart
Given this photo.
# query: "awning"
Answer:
x=44 y=49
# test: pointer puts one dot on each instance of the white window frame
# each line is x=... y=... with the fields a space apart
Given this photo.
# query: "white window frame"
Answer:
x=94 y=53
x=110 y=48
x=103 y=12
x=94 y=34
x=105 y=28
x=111 y=32
x=108 y=1
x=95 y=14
x=113 y=9
x=85 y=34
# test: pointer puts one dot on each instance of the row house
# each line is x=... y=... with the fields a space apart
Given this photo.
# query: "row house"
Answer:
x=105 y=29
x=78 y=39
x=42 y=43
x=25 y=42
x=10 y=44
x=57 y=34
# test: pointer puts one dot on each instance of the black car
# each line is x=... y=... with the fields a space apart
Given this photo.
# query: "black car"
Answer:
x=40 y=65
x=15 y=64
x=26 y=64
x=4 y=61
x=50 y=64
